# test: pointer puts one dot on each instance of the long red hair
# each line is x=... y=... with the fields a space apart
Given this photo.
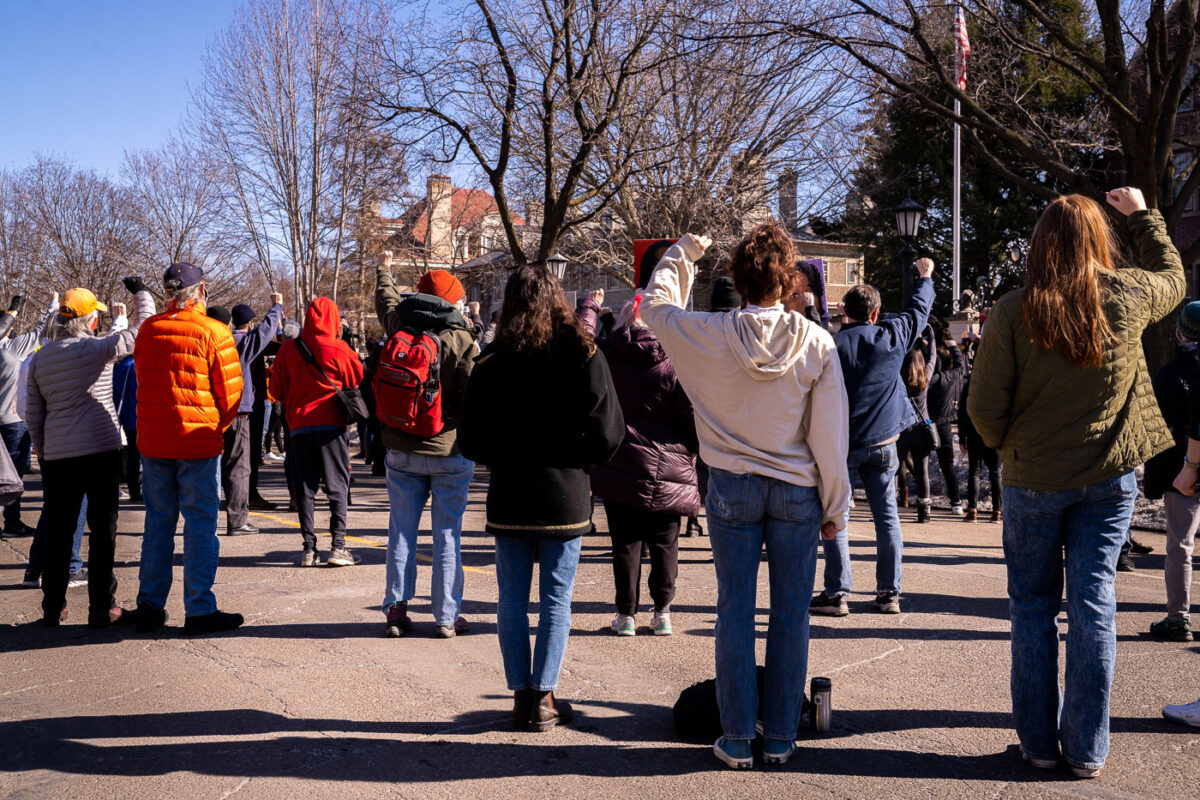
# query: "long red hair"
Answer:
x=1062 y=307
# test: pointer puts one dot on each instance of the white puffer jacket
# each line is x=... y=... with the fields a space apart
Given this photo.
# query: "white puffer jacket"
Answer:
x=69 y=407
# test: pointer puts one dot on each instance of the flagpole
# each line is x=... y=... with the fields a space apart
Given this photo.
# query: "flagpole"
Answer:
x=957 y=206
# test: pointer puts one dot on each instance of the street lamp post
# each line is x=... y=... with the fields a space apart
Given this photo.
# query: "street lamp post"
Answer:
x=558 y=266
x=908 y=222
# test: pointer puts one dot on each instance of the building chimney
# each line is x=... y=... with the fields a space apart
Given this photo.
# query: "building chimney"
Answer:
x=439 y=238
x=787 y=200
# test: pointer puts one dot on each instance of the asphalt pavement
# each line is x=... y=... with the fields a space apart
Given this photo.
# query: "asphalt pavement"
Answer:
x=309 y=699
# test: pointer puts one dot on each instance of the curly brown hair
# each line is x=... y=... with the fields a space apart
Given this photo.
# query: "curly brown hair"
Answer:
x=536 y=317
x=762 y=264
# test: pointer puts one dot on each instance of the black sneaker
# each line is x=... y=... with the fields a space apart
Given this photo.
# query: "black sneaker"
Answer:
x=888 y=603
x=693 y=528
x=1175 y=630
x=262 y=504
x=1125 y=563
x=1137 y=547
x=243 y=530
x=148 y=619
x=212 y=623
x=31 y=580
x=827 y=606
x=18 y=528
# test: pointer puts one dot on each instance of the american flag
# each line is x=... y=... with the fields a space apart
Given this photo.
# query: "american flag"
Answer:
x=962 y=48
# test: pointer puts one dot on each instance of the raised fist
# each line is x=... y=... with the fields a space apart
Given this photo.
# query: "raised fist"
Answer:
x=17 y=303
x=277 y=298
x=925 y=267
x=1127 y=200
x=385 y=258
x=119 y=310
x=133 y=284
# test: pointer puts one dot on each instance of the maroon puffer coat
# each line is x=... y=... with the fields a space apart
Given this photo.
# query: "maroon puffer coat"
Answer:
x=654 y=468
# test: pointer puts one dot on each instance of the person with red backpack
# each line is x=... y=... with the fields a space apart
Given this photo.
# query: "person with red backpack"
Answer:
x=309 y=377
x=419 y=386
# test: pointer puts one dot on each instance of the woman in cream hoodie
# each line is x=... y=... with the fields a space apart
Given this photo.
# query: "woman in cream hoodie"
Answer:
x=772 y=420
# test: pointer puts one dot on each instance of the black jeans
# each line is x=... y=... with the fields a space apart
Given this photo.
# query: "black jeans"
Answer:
x=66 y=481
x=945 y=458
x=235 y=472
x=978 y=453
x=18 y=444
x=629 y=527
x=321 y=456
x=911 y=444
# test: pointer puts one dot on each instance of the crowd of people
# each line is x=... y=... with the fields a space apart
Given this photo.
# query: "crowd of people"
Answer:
x=753 y=409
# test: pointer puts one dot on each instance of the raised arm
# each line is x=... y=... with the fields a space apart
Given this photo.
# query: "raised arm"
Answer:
x=1161 y=269
x=387 y=296
x=906 y=327
x=256 y=340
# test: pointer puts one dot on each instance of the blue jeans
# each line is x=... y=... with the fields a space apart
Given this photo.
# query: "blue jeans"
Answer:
x=19 y=445
x=876 y=466
x=744 y=513
x=411 y=480
x=169 y=487
x=1087 y=526
x=557 y=561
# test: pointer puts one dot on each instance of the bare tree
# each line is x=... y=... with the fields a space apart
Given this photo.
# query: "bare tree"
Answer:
x=526 y=91
x=269 y=109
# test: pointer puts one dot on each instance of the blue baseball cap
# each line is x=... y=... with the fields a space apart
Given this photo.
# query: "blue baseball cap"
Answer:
x=181 y=276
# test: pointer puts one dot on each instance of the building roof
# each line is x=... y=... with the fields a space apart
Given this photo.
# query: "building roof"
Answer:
x=467 y=208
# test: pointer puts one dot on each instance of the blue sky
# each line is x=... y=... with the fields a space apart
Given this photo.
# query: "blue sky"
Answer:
x=88 y=80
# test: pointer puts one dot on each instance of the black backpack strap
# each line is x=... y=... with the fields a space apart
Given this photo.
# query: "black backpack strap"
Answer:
x=308 y=356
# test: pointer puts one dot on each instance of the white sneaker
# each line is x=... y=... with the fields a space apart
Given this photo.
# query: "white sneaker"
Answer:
x=1188 y=714
x=624 y=625
x=272 y=457
x=957 y=509
x=660 y=623
x=122 y=494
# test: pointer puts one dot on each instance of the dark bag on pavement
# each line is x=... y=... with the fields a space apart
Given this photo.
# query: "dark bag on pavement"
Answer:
x=11 y=484
x=926 y=429
x=354 y=410
x=697 y=717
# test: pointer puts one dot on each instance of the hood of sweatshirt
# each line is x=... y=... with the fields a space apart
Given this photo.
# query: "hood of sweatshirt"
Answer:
x=427 y=312
x=322 y=319
x=766 y=342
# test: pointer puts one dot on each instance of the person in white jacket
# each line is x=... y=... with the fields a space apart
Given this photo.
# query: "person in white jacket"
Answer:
x=772 y=420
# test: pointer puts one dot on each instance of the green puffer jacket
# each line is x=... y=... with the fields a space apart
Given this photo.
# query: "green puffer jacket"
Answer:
x=1062 y=426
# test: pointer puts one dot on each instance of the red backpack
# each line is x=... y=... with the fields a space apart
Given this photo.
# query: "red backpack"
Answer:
x=408 y=387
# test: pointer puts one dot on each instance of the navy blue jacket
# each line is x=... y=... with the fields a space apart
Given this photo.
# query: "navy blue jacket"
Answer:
x=250 y=345
x=125 y=393
x=871 y=359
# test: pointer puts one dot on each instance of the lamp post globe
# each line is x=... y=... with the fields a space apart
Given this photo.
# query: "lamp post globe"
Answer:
x=908 y=222
x=558 y=266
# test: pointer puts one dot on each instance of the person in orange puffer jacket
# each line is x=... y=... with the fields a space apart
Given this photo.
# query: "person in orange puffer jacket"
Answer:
x=189 y=386
x=318 y=443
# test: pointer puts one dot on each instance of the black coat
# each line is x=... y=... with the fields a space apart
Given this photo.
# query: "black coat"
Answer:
x=540 y=422
x=945 y=387
x=654 y=469
x=1177 y=388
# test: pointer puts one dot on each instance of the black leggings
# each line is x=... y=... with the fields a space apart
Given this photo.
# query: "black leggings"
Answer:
x=912 y=445
x=977 y=454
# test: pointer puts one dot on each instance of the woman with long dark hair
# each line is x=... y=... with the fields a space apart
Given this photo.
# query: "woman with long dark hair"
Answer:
x=914 y=443
x=540 y=411
x=1061 y=389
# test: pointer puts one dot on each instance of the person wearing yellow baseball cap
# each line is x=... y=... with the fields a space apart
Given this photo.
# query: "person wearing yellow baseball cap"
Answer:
x=73 y=424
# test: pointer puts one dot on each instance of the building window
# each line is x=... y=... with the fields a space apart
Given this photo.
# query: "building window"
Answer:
x=851 y=265
x=1183 y=170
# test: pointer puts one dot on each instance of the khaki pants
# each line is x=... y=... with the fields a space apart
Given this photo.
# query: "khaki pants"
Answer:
x=1183 y=520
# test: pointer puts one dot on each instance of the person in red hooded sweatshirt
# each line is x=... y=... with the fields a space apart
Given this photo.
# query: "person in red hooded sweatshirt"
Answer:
x=318 y=440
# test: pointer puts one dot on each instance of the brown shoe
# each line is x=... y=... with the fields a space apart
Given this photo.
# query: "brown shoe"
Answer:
x=997 y=516
x=971 y=515
x=545 y=712
x=522 y=704
x=902 y=497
